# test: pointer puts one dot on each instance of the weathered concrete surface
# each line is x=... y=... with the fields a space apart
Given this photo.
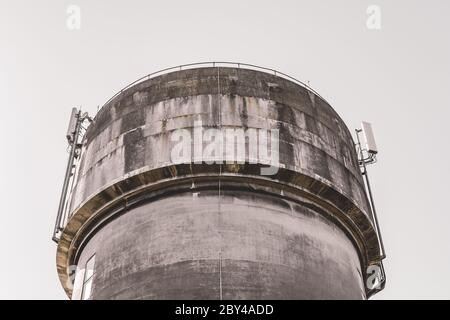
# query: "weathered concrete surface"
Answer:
x=134 y=130
x=126 y=156
x=255 y=246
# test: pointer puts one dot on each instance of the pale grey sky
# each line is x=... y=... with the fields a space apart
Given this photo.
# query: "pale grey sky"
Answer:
x=397 y=78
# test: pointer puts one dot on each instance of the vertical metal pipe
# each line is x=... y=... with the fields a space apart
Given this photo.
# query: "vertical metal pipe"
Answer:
x=369 y=191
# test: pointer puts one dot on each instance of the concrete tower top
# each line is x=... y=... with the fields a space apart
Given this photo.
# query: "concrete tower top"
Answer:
x=127 y=152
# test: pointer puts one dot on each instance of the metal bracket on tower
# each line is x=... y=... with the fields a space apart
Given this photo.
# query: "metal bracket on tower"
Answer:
x=74 y=135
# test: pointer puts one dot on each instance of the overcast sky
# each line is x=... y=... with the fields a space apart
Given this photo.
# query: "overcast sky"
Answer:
x=396 y=77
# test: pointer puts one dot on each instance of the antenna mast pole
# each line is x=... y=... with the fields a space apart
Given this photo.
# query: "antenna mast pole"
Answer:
x=69 y=170
x=369 y=191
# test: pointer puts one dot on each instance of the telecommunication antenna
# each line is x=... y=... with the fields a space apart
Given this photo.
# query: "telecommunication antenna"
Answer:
x=367 y=152
x=74 y=132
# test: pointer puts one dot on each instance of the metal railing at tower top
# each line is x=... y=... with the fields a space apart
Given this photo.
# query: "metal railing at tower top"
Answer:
x=195 y=65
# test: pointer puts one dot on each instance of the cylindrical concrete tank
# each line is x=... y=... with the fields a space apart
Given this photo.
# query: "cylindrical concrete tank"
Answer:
x=147 y=225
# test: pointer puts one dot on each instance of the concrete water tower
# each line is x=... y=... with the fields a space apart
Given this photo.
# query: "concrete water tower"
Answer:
x=292 y=221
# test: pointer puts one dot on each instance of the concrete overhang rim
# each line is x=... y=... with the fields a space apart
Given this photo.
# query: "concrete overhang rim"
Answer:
x=65 y=246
